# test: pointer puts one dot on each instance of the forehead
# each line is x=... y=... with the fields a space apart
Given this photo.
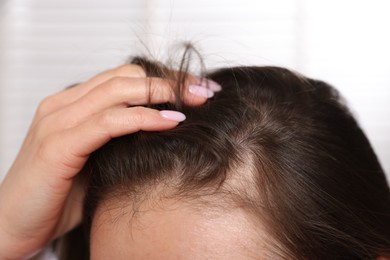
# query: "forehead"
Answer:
x=174 y=230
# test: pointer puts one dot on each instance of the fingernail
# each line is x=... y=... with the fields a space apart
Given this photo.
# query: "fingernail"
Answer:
x=200 y=91
x=211 y=84
x=173 y=115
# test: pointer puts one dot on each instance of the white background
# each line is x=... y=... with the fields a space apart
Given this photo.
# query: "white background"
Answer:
x=46 y=45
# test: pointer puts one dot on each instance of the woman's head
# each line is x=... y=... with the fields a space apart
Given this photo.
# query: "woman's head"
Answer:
x=274 y=166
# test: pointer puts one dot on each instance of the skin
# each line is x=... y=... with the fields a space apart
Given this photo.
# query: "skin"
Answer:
x=172 y=229
x=40 y=198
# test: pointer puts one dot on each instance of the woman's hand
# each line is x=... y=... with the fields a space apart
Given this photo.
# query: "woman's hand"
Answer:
x=39 y=198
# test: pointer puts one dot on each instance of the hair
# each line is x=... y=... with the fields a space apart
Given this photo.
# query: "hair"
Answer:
x=303 y=166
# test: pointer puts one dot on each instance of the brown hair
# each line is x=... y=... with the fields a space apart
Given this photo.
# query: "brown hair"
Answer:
x=304 y=166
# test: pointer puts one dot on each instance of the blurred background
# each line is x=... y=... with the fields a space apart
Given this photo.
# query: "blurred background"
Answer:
x=46 y=45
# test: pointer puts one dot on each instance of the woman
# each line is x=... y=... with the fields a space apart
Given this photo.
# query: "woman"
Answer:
x=272 y=167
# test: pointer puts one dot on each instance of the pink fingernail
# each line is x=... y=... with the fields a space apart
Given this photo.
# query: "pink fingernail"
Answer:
x=173 y=115
x=211 y=84
x=200 y=91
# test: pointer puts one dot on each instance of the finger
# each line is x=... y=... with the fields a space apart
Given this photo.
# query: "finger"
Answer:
x=78 y=142
x=125 y=92
x=141 y=91
x=76 y=91
x=126 y=70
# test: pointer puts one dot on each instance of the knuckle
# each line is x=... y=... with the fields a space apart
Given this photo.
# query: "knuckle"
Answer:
x=117 y=82
x=129 y=70
x=45 y=106
x=137 y=116
x=42 y=125
x=113 y=85
x=104 y=119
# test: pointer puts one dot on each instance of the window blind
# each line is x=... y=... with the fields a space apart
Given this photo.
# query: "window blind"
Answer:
x=47 y=45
